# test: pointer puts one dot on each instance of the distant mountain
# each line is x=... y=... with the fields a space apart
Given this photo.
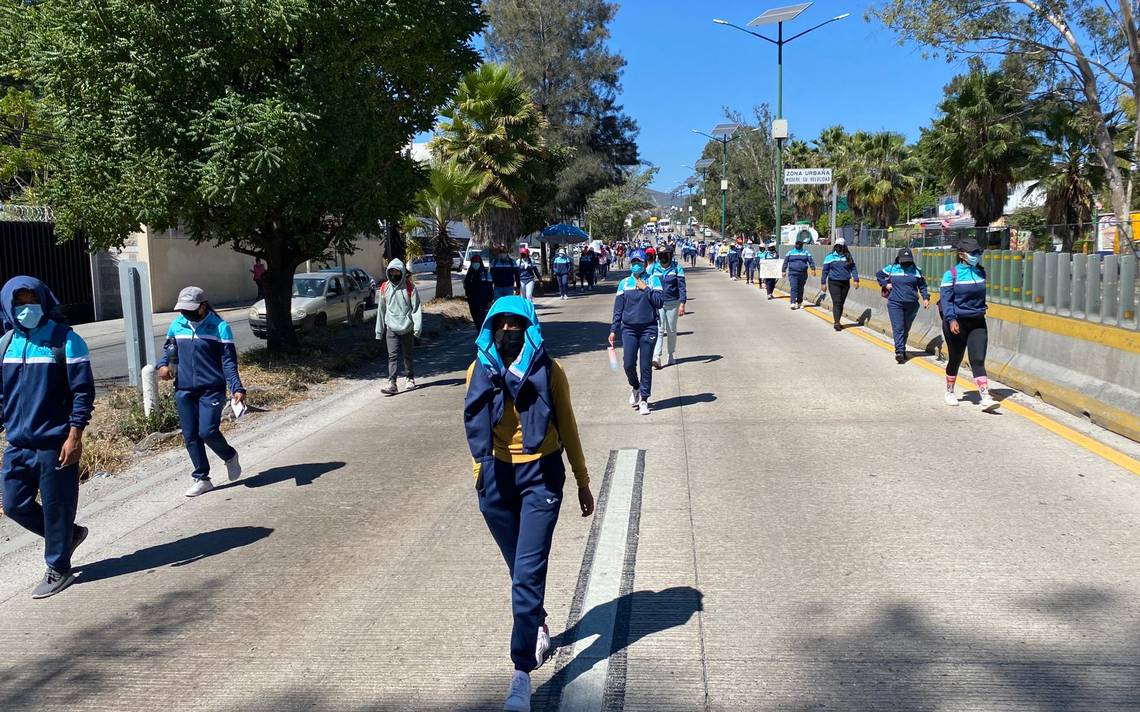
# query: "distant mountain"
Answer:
x=664 y=200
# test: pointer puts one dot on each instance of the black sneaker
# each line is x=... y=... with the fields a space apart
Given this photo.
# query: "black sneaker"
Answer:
x=53 y=583
x=78 y=537
x=837 y=327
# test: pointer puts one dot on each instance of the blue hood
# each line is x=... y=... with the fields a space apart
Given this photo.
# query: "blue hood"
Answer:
x=8 y=297
x=488 y=355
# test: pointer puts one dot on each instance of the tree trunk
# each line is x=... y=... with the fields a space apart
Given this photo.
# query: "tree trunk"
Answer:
x=442 y=251
x=279 y=267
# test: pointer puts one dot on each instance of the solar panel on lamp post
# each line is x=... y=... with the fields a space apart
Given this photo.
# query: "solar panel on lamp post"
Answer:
x=778 y=16
x=701 y=166
x=723 y=134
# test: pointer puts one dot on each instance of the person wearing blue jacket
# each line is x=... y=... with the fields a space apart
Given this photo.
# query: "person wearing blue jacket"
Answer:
x=839 y=271
x=639 y=299
x=527 y=274
x=672 y=276
x=734 y=262
x=796 y=265
x=563 y=266
x=478 y=289
x=200 y=357
x=504 y=276
x=47 y=393
x=769 y=253
x=903 y=284
x=519 y=422
x=962 y=301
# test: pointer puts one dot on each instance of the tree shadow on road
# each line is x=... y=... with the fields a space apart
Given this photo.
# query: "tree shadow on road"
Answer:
x=633 y=616
x=710 y=358
x=175 y=553
x=682 y=401
x=303 y=474
x=905 y=657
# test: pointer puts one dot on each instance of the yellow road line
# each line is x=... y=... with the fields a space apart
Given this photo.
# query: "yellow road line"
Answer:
x=1094 y=446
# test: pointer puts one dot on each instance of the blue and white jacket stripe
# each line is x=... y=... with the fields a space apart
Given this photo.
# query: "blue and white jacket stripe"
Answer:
x=637 y=307
x=906 y=283
x=963 y=292
x=563 y=265
x=835 y=267
x=797 y=262
x=672 y=280
x=207 y=357
x=39 y=400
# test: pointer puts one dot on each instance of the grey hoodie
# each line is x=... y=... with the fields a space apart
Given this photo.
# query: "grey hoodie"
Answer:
x=397 y=310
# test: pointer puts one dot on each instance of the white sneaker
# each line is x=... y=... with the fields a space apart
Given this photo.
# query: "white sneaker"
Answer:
x=672 y=361
x=950 y=398
x=634 y=397
x=518 y=699
x=542 y=646
x=233 y=467
x=409 y=384
x=988 y=404
x=643 y=407
x=200 y=487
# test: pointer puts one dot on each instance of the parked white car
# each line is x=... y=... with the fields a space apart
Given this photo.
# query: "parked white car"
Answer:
x=319 y=298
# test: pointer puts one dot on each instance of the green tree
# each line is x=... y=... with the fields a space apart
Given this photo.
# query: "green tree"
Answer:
x=450 y=196
x=1067 y=168
x=1095 y=45
x=560 y=50
x=807 y=200
x=980 y=142
x=25 y=141
x=608 y=208
x=277 y=127
x=493 y=126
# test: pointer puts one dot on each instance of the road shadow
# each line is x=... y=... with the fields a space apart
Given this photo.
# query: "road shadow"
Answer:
x=709 y=358
x=633 y=616
x=442 y=383
x=682 y=401
x=901 y=655
x=303 y=474
x=175 y=553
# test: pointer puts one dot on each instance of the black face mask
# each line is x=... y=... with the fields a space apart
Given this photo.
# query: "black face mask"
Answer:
x=191 y=315
x=394 y=276
x=509 y=342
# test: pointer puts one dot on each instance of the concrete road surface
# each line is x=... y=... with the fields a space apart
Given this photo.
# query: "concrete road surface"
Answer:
x=799 y=525
x=107 y=341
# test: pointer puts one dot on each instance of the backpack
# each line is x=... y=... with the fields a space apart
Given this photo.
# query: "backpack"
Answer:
x=407 y=285
x=58 y=342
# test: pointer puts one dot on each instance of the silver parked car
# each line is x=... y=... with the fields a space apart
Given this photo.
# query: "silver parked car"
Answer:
x=319 y=298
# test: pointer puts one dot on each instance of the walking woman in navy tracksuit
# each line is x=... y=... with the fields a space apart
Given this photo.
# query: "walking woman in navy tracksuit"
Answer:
x=796 y=265
x=839 y=271
x=47 y=393
x=527 y=274
x=903 y=283
x=639 y=297
x=962 y=300
x=563 y=266
x=769 y=253
x=519 y=421
x=201 y=358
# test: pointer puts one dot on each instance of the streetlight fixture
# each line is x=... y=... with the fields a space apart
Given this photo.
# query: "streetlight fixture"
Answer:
x=778 y=16
x=702 y=165
x=723 y=134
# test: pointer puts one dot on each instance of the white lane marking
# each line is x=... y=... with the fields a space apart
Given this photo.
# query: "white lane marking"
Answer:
x=586 y=690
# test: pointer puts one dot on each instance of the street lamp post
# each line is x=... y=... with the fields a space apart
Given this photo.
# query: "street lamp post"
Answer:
x=779 y=16
x=723 y=134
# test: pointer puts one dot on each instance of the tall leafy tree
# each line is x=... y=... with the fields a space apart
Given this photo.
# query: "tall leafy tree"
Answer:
x=276 y=127
x=608 y=208
x=451 y=195
x=25 y=141
x=1093 y=45
x=559 y=48
x=981 y=142
x=493 y=126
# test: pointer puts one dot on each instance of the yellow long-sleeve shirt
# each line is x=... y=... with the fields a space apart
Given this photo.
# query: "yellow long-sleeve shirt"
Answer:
x=508 y=435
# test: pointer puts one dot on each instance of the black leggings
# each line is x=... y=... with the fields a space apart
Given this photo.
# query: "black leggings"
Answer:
x=973 y=338
x=838 y=292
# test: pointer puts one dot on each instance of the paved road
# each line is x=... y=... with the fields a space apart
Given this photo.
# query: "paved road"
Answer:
x=800 y=525
x=107 y=342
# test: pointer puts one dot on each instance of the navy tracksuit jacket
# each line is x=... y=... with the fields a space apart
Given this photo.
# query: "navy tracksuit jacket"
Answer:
x=635 y=319
x=907 y=283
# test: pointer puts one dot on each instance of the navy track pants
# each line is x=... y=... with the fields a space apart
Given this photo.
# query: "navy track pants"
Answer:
x=27 y=472
x=637 y=346
x=902 y=317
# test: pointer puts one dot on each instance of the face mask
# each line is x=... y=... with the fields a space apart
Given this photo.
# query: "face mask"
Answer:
x=29 y=315
x=509 y=342
x=394 y=276
x=191 y=315
x=637 y=268
x=476 y=266
x=972 y=260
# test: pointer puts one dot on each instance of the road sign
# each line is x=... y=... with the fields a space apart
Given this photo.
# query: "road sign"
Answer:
x=841 y=204
x=807 y=176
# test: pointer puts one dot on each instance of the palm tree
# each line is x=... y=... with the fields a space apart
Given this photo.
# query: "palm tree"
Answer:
x=493 y=126
x=1069 y=169
x=980 y=142
x=807 y=200
x=892 y=169
x=451 y=196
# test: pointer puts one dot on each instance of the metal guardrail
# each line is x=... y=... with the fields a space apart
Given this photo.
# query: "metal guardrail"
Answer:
x=1101 y=289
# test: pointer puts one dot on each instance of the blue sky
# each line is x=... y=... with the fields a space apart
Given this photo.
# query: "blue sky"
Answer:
x=683 y=69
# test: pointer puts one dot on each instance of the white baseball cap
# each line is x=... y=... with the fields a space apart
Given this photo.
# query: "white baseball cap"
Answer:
x=840 y=241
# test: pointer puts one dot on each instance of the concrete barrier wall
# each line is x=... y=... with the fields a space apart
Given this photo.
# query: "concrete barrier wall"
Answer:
x=1087 y=369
